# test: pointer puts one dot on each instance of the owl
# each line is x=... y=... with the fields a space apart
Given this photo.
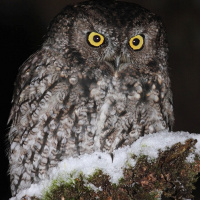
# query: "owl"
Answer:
x=99 y=82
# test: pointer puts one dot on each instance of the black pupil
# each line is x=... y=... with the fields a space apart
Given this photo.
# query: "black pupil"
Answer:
x=96 y=38
x=136 y=42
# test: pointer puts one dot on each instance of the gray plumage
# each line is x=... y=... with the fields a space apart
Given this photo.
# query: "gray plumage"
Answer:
x=76 y=96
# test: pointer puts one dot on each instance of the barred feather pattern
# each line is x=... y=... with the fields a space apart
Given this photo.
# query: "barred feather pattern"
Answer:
x=71 y=99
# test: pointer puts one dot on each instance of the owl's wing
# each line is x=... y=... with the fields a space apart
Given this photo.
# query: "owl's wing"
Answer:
x=22 y=80
x=39 y=89
x=32 y=81
x=41 y=92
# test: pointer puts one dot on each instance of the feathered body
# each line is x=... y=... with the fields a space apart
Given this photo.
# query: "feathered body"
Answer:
x=73 y=98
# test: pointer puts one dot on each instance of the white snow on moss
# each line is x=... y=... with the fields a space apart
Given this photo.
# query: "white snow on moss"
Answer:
x=148 y=145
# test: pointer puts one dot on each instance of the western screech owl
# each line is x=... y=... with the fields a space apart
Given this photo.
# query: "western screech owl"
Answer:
x=98 y=82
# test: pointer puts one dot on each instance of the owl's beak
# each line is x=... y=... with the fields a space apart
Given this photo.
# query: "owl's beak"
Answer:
x=117 y=62
x=114 y=62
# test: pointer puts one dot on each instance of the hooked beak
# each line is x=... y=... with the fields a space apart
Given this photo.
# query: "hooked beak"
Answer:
x=114 y=62
x=117 y=62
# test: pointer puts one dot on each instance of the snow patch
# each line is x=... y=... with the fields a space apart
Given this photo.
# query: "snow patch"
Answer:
x=87 y=164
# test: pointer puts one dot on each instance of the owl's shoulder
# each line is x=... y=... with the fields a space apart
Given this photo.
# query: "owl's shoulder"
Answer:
x=34 y=77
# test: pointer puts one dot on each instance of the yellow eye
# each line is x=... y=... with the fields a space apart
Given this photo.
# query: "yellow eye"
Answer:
x=95 y=39
x=136 y=42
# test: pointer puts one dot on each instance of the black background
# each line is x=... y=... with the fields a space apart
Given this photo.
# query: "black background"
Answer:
x=23 y=26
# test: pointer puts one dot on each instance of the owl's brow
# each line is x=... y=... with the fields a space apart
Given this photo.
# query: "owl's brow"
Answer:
x=96 y=16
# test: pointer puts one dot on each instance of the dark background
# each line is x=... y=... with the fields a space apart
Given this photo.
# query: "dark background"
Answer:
x=23 y=26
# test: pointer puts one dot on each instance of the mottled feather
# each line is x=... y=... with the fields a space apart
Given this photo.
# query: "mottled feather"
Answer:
x=72 y=98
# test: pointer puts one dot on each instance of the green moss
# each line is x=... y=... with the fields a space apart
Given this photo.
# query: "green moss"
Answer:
x=169 y=175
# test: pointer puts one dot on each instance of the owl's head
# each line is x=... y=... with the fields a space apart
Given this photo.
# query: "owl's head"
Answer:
x=116 y=37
